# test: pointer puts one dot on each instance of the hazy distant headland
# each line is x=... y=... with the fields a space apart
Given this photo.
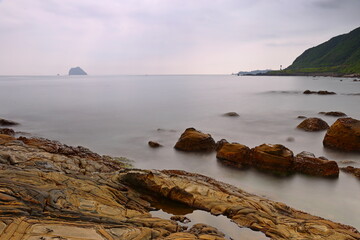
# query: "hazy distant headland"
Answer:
x=77 y=71
x=338 y=57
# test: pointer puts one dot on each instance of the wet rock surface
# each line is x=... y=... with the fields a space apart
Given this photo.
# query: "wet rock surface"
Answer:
x=154 y=144
x=321 y=92
x=352 y=170
x=313 y=125
x=5 y=122
x=193 y=140
x=53 y=191
x=343 y=135
x=234 y=154
x=307 y=163
x=333 y=114
x=231 y=114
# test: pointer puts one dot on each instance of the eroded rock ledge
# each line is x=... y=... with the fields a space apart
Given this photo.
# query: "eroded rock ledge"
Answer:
x=43 y=197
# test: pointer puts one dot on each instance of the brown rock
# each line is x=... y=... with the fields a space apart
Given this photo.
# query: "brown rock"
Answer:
x=333 y=114
x=275 y=158
x=313 y=124
x=194 y=140
x=322 y=92
x=231 y=114
x=4 y=122
x=301 y=117
x=343 y=135
x=7 y=131
x=354 y=171
x=234 y=154
x=307 y=163
x=154 y=144
x=180 y=218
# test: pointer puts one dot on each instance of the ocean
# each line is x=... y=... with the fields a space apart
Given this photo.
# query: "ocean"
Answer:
x=118 y=115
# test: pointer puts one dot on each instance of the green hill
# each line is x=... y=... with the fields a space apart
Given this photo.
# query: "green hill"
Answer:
x=338 y=56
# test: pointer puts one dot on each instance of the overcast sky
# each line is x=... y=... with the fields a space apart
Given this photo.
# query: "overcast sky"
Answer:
x=47 y=37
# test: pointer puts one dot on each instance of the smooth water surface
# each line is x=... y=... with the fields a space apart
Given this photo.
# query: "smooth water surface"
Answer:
x=118 y=115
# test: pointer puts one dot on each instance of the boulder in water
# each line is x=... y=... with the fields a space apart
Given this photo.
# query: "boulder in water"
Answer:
x=193 y=140
x=313 y=125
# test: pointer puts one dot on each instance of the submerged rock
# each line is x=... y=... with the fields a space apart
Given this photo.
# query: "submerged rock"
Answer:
x=231 y=114
x=307 y=163
x=313 y=125
x=352 y=170
x=5 y=122
x=234 y=154
x=333 y=114
x=343 y=135
x=154 y=144
x=7 y=131
x=193 y=140
x=273 y=157
x=321 y=92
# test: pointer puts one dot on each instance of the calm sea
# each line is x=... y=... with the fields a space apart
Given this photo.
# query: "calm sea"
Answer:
x=118 y=115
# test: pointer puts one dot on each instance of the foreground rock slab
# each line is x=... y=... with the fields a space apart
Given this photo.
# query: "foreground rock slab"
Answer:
x=274 y=219
x=193 y=140
x=52 y=191
x=343 y=135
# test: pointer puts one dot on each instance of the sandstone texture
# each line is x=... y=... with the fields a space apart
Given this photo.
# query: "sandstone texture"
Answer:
x=49 y=190
x=313 y=125
x=193 y=140
x=273 y=157
x=307 y=163
x=343 y=135
x=234 y=154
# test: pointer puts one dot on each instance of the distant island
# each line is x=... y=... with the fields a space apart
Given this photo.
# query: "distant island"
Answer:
x=77 y=71
x=254 y=72
x=339 y=56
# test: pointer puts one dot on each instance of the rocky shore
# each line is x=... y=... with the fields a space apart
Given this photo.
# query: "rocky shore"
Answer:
x=49 y=190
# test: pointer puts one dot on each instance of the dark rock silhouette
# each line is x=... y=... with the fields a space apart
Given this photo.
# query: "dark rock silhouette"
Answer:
x=77 y=71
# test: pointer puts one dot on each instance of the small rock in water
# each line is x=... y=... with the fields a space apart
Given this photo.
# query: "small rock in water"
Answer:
x=333 y=113
x=301 y=117
x=231 y=114
x=313 y=125
x=7 y=131
x=180 y=218
x=4 y=122
x=154 y=144
x=290 y=139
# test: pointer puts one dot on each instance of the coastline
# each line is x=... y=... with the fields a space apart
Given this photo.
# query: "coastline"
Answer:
x=58 y=187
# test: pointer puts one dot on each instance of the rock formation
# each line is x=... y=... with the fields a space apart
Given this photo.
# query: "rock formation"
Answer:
x=154 y=144
x=321 y=92
x=273 y=157
x=307 y=163
x=354 y=171
x=234 y=154
x=5 y=122
x=7 y=131
x=193 y=140
x=333 y=114
x=313 y=125
x=77 y=71
x=52 y=191
x=231 y=114
x=343 y=135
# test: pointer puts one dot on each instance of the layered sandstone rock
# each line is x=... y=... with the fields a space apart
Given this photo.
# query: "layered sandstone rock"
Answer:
x=234 y=154
x=52 y=191
x=274 y=219
x=343 y=135
x=307 y=163
x=193 y=140
x=313 y=124
x=273 y=157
